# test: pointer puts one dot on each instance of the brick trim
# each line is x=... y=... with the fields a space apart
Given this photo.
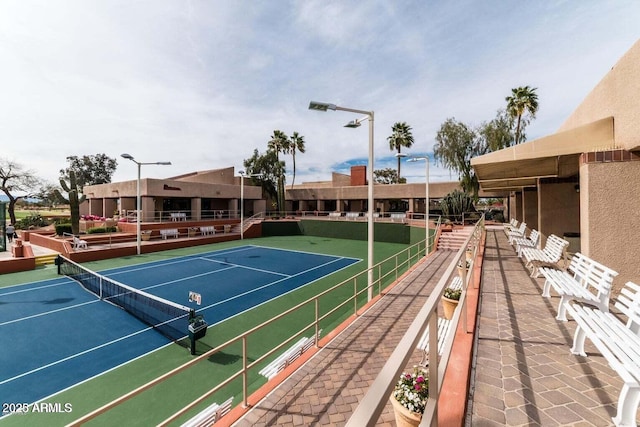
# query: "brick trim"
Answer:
x=609 y=156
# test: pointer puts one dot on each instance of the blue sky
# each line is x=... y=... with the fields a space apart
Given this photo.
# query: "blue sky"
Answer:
x=204 y=83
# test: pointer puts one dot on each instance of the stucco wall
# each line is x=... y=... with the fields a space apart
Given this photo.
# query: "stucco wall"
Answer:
x=610 y=207
x=616 y=95
x=530 y=208
x=559 y=209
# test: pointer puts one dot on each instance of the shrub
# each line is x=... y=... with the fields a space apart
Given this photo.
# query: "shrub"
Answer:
x=63 y=228
x=456 y=203
x=31 y=220
x=98 y=230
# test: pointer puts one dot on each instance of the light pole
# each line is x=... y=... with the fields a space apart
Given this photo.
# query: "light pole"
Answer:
x=323 y=106
x=242 y=175
x=138 y=201
x=427 y=242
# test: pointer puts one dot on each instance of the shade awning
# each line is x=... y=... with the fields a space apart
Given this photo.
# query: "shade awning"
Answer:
x=556 y=155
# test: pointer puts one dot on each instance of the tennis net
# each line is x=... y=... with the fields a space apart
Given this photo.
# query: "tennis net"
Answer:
x=169 y=318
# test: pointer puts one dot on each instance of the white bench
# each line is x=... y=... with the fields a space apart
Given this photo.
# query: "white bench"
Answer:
x=352 y=215
x=513 y=224
x=444 y=326
x=79 y=243
x=526 y=242
x=618 y=342
x=288 y=357
x=178 y=216
x=397 y=216
x=210 y=414
x=169 y=232
x=334 y=215
x=552 y=253
x=207 y=230
x=585 y=280
x=517 y=232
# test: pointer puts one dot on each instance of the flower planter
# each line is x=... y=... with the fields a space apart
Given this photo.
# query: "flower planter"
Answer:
x=469 y=254
x=145 y=235
x=404 y=417
x=192 y=232
x=449 y=307
x=461 y=273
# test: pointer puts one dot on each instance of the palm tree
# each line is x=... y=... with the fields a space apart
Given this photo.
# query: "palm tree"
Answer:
x=401 y=137
x=278 y=143
x=296 y=144
x=522 y=100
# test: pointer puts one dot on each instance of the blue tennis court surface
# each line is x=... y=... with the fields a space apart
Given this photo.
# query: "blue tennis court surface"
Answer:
x=55 y=334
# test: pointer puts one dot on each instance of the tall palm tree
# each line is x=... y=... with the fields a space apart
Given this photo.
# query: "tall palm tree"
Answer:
x=401 y=136
x=279 y=143
x=296 y=144
x=523 y=100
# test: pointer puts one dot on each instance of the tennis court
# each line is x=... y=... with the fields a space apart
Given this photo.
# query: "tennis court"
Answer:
x=58 y=334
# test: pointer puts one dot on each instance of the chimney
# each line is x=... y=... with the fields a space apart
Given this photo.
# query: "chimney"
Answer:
x=358 y=175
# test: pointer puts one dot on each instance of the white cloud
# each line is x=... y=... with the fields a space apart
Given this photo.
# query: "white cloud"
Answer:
x=204 y=83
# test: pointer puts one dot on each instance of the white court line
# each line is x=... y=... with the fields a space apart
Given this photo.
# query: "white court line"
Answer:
x=307 y=252
x=247 y=267
x=63 y=281
x=270 y=284
x=49 y=312
x=57 y=362
x=155 y=264
x=157 y=285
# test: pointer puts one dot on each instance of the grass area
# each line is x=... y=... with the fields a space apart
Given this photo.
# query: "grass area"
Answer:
x=158 y=403
x=44 y=213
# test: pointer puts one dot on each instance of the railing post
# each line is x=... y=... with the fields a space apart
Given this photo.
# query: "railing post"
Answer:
x=396 y=268
x=245 y=395
x=317 y=303
x=355 y=295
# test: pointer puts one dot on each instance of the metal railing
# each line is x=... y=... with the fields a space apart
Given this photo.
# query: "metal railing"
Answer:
x=371 y=406
x=385 y=273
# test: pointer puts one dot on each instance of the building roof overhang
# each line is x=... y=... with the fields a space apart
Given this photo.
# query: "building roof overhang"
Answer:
x=557 y=155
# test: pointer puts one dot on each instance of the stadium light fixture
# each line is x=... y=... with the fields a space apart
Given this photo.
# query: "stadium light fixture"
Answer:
x=138 y=198
x=242 y=175
x=426 y=200
x=324 y=106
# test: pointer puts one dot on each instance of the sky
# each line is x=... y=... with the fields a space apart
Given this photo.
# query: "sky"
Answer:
x=204 y=83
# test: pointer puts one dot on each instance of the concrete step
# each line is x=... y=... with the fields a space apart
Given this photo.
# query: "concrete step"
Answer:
x=453 y=241
x=45 y=259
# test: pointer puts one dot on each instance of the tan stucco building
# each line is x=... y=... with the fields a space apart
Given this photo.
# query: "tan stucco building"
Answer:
x=198 y=195
x=215 y=194
x=585 y=177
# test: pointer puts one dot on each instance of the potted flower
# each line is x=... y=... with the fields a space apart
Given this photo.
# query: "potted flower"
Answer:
x=450 y=300
x=410 y=397
x=462 y=266
x=192 y=231
x=145 y=235
x=469 y=253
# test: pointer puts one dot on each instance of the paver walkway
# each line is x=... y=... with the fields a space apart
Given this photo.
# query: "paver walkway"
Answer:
x=327 y=389
x=525 y=373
